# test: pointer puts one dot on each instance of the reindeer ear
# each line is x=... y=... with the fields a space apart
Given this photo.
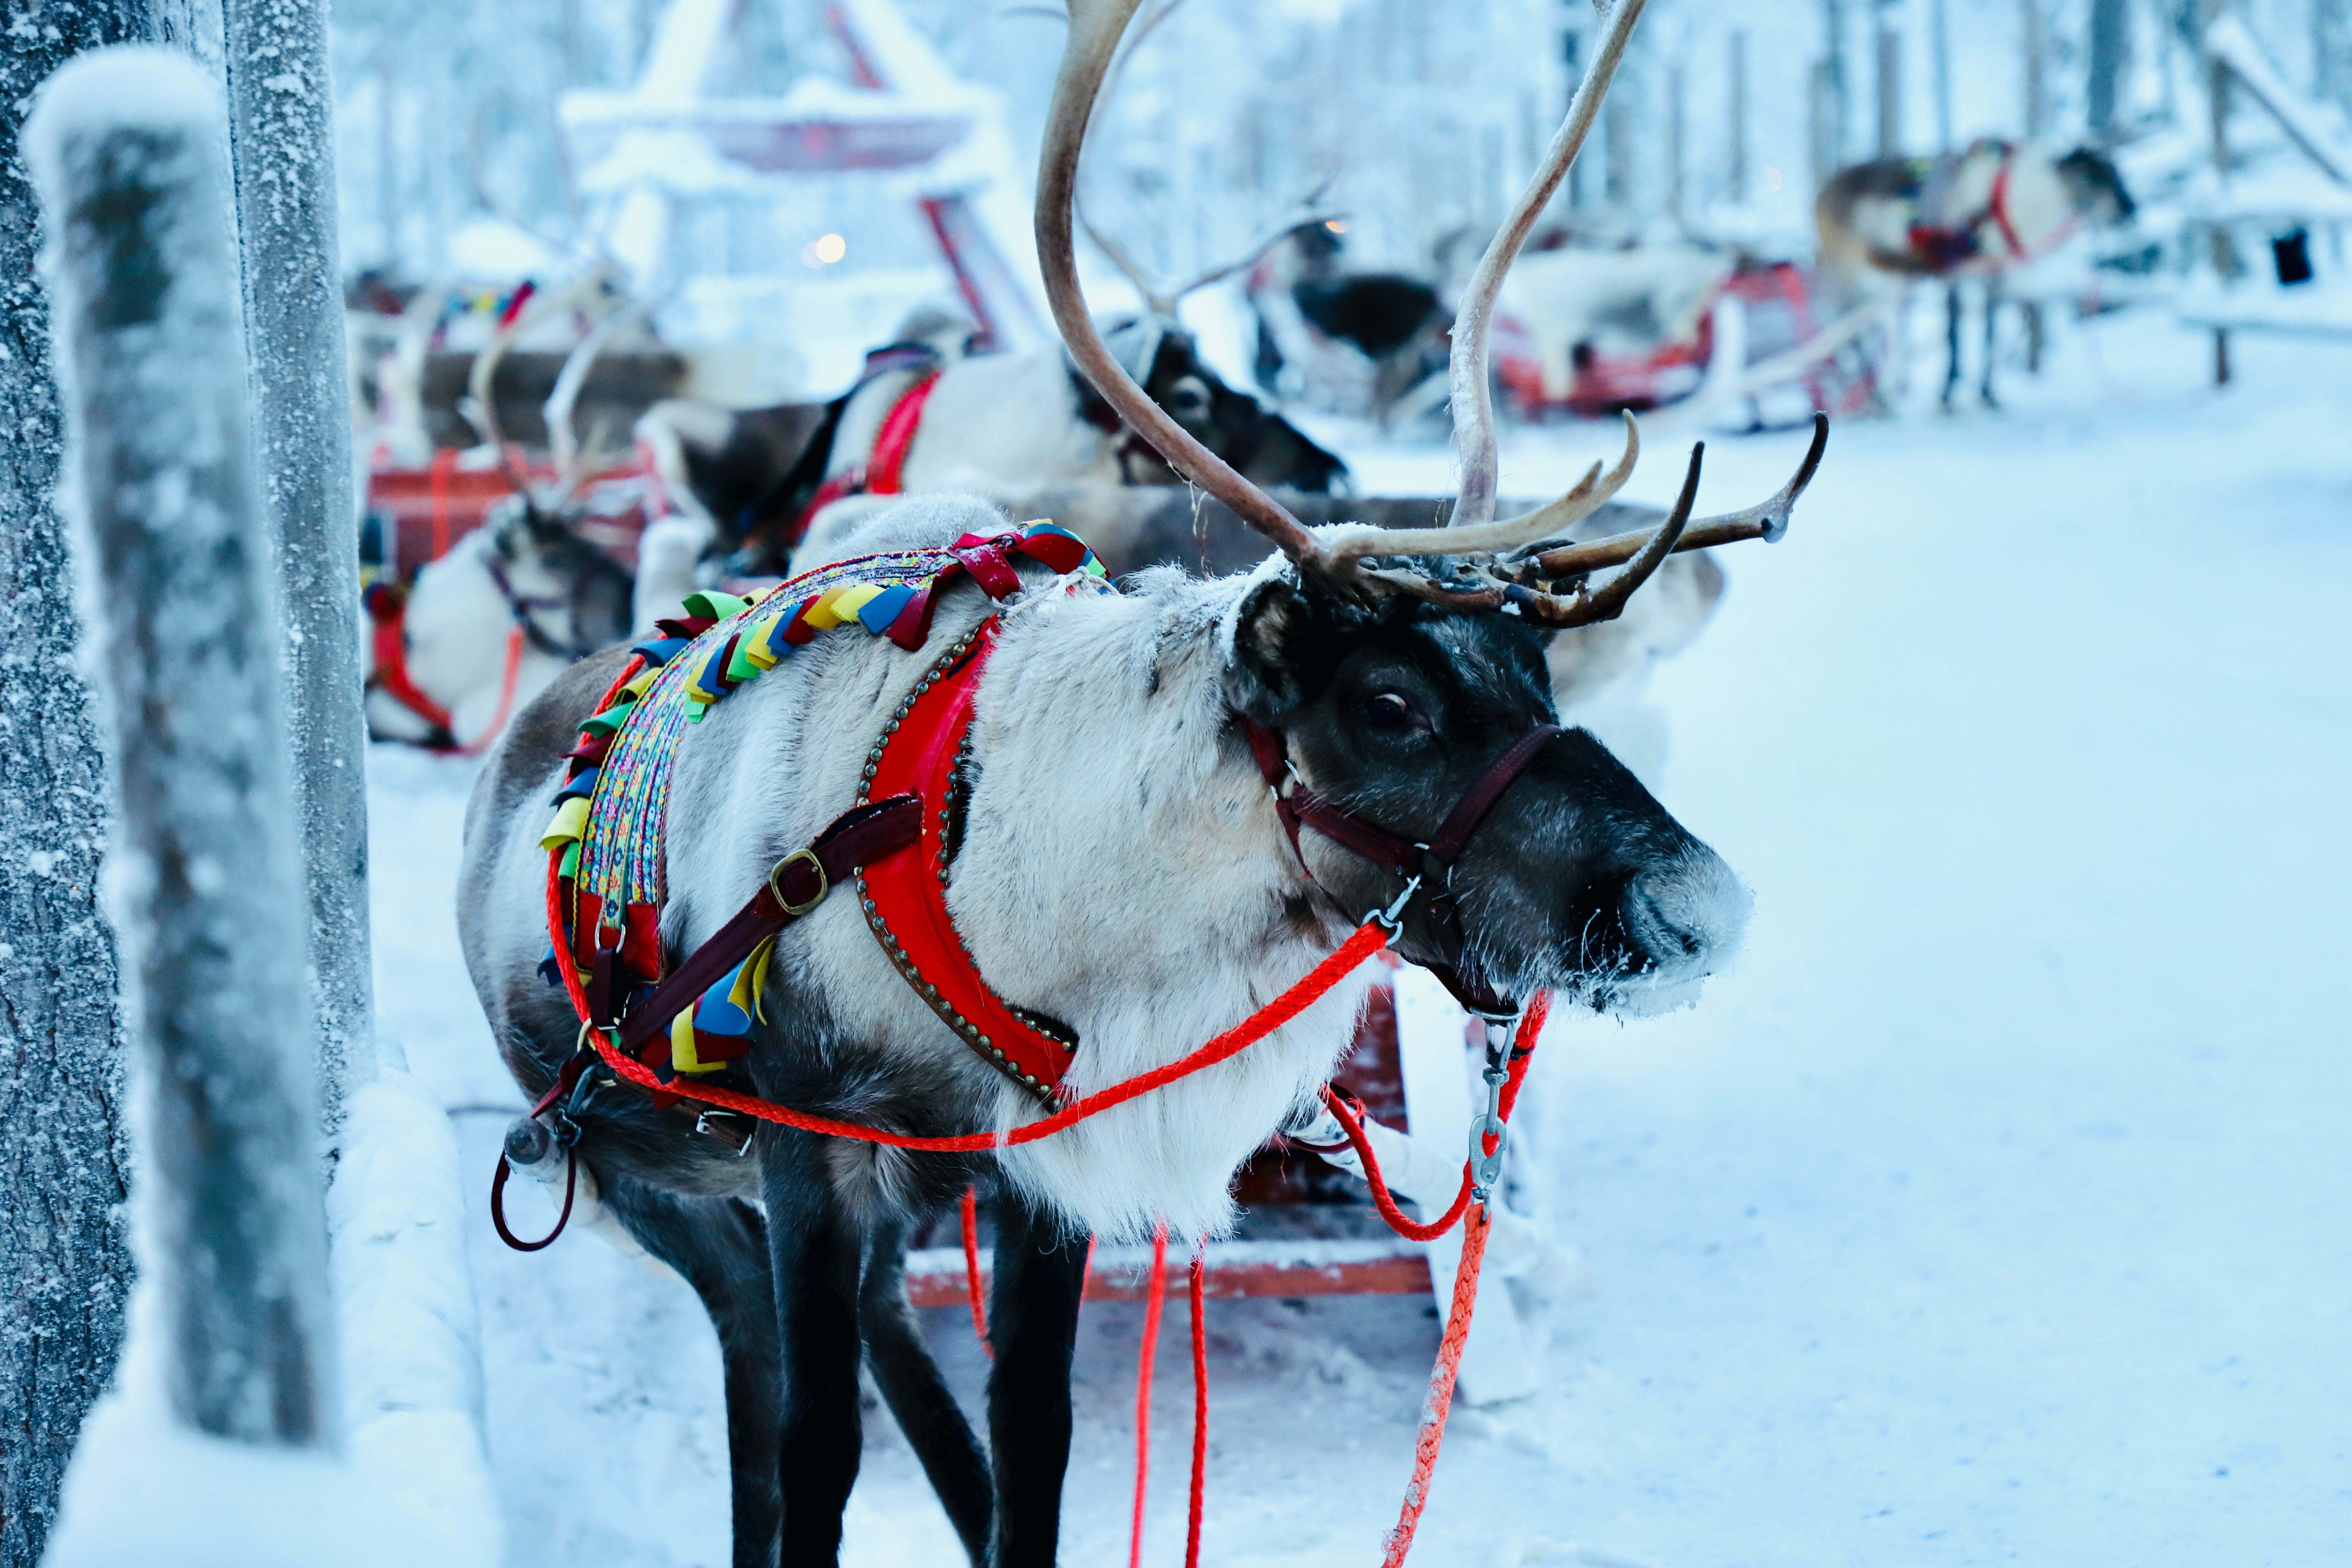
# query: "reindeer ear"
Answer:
x=1261 y=673
x=1283 y=645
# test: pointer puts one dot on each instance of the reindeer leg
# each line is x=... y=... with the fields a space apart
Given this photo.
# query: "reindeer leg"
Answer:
x=909 y=1379
x=1033 y=1317
x=1951 y=343
x=721 y=1246
x=814 y=1253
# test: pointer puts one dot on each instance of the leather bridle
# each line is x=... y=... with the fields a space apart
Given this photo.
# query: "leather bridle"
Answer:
x=1427 y=869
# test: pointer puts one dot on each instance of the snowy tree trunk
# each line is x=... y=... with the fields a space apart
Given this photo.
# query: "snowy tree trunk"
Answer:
x=65 y=1253
x=2110 y=43
x=129 y=150
x=281 y=142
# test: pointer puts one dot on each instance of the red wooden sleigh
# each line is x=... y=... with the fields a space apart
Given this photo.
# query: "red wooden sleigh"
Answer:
x=1285 y=1190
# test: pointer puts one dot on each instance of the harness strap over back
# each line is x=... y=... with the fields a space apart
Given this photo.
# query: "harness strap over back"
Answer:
x=794 y=886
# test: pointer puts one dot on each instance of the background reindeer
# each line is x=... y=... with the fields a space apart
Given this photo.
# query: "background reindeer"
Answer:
x=1973 y=214
x=753 y=481
x=1118 y=867
x=486 y=627
x=1311 y=310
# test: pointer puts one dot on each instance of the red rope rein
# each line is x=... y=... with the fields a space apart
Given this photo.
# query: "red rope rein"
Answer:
x=1200 y=1408
x=1155 y=1298
x=1439 y=1401
x=971 y=1269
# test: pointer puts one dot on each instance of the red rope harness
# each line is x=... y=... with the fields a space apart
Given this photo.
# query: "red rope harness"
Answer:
x=482 y=742
x=1155 y=1298
x=1368 y=939
x=1200 y=1409
x=387 y=608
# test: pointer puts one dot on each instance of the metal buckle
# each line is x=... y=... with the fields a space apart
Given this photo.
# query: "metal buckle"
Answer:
x=776 y=883
x=1487 y=1170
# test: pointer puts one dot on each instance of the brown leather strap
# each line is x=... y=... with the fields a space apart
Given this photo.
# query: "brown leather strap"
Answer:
x=1453 y=834
x=1301 y=803
x=1434 y=860
x=804 y=876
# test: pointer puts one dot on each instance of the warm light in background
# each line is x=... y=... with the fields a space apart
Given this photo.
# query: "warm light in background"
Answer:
x=1336 y=225
x=823 y=251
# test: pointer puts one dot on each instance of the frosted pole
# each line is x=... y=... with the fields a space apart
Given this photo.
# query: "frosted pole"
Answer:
x=281 y=142
x=2036 y=48
x=1835 y=134
x=175 y=553
x=64 y=1250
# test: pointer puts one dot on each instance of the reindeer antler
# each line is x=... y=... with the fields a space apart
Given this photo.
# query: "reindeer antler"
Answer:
x=480 y=404
x=1339 y=561
x=564 y=398
x=1158 y=299
x=1095 y=29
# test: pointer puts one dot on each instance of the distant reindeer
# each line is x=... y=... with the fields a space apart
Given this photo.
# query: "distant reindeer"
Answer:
x=928 y=416
x=485 y=628
x=1973 y=214
x=1111 y=852
x=1309 y=309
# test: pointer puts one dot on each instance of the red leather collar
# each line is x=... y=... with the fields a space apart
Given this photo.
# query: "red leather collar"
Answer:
x=903 y=895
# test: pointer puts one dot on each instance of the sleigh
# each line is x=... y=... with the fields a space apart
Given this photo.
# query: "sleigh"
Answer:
x=1793 y=356
x=414 y=515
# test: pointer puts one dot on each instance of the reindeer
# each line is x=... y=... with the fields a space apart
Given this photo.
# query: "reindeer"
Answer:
x=929 y=415
x=1974 y=214
x=490 y=624
x=1315 y=319
x=1115 y=861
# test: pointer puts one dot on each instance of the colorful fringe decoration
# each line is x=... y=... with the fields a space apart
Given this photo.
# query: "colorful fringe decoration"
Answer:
x=612 y=812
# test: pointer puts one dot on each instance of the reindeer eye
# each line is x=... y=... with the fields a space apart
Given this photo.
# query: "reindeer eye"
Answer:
x=1387 y=710
x=1188 y=399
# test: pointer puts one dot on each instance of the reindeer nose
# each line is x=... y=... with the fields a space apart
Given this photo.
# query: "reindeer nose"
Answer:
x=1685 y=915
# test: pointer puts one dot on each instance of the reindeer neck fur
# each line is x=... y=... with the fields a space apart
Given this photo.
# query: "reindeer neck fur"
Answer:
x=1121 y=869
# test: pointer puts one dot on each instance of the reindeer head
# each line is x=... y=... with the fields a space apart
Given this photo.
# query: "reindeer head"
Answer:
x=1159 y=354
x=1163 y=359
x=569 y=595
x=1403 y=670
x=2094 y=187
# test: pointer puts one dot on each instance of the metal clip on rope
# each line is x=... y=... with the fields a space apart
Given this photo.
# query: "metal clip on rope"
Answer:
x=1485 y=1167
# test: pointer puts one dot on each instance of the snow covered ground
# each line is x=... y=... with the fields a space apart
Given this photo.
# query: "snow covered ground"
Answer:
x=1993 y=1209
